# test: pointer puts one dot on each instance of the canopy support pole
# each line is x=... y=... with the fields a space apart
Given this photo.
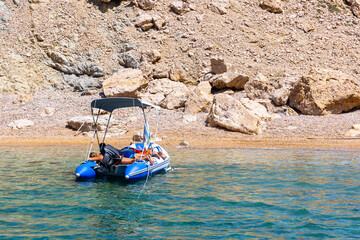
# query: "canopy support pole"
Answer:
x=107 y=126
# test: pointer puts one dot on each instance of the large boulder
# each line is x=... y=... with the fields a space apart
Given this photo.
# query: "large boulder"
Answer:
x=229 y=113
x=166 y=93
x=282 y=89
x=124 y=83
x=325 y=91
x=259 y=88
x=255 y=108
x=231 y=79
x=277 y=90
x=199 y=100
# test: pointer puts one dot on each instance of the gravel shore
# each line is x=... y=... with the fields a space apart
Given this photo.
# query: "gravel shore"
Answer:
x=300 y=131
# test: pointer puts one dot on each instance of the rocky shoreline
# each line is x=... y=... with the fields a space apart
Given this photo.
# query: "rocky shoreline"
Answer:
x=301 y=131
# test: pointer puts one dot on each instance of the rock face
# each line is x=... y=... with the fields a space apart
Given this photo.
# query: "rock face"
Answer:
x=231 y=114
x=70 y=66
x=124 y=83
x=325 y=91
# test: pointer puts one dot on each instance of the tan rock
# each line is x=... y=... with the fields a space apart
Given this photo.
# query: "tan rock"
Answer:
x=198 y=101
x=231 y=79
x=282 y=88
x=352 y=133
x=48 y=111
x=179 y=7
x=21 y=123
x=256 y=109
x=205 y=87
x=184 y=144
x=151 y=56
x=274 y=6
x=325 y=91
x=356 y=127
x=176 y=99
x=144 y=21
x=82 y=124
x=144 y=4
x=355 y=8
x=124 y=83
x=229 y=113
x=218 y=65
x=166 y=93
x=218 y=7
x=159 y=22
x=178 y=74
x=259 y=88
x=160 y=72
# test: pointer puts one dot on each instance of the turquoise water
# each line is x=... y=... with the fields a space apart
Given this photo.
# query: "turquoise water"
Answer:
x=210 y=194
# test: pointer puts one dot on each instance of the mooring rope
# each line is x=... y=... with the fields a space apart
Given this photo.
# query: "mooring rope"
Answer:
x=147 y=177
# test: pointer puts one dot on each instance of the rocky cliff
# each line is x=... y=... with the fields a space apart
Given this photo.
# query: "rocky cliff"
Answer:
x=258 y=49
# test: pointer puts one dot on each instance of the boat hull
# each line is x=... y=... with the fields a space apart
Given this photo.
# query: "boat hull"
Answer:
x=138 y=170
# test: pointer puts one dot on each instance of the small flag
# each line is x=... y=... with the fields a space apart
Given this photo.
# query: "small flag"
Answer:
x=146 y=137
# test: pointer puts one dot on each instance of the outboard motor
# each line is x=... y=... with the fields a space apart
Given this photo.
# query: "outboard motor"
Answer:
x=85 y=171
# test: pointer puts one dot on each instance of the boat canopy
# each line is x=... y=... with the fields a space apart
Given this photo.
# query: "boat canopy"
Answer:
x=110 y=104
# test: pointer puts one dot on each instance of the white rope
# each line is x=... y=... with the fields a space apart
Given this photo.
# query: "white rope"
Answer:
x=147 y=177
x=80 y=128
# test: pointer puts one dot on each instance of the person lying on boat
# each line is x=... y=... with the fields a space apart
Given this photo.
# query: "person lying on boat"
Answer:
x=154 y=151
x=111 y=156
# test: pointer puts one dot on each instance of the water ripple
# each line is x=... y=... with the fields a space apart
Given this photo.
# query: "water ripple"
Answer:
x=219 y=194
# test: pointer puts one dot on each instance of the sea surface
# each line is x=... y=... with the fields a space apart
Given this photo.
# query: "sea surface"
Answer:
x=210 y=194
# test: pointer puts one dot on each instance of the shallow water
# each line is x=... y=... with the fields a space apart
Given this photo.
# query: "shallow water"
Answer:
x=210 y=194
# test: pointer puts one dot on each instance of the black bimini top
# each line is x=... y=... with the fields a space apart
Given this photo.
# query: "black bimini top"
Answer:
x=110 y=104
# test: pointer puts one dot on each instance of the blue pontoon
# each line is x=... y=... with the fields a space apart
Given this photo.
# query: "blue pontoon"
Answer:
x=139 y=169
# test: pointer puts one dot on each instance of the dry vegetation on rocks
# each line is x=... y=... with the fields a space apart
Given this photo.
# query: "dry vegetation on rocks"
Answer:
x=56 y=51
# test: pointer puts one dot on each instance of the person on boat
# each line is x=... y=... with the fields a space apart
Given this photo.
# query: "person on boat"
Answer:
x=154 y=151
x=111 y=156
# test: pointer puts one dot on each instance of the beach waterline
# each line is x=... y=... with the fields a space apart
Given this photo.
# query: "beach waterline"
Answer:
x=211 y=193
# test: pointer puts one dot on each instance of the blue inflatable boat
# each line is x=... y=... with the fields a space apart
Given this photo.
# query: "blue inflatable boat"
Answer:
x=142 y=168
